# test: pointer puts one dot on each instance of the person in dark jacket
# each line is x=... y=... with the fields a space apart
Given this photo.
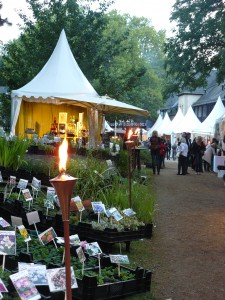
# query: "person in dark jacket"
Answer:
x=155 y=151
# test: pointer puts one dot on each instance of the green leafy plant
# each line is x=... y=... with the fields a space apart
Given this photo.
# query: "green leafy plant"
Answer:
x=12 y=152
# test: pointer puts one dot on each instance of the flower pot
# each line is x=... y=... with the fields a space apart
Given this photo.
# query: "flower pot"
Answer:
x=26 y=257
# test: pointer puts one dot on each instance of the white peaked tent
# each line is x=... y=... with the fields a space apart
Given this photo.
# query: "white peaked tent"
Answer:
x=189 y=123
x=60 y=83
x=176 y=120
x=157 y=123
x=164 y=127
x=208 y=125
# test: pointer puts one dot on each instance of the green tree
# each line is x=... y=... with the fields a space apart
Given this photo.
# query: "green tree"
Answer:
x=121 y=56
x=3 y=21
x=198 y=44
x=132 y=59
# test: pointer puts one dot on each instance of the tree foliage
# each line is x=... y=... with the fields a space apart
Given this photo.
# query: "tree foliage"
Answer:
x=121 y=56
x=198 y=44
x=3 y=21
x=132 y=59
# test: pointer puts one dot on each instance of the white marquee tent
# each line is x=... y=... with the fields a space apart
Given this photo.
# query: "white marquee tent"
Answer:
x=208 y=125
x=61 y=82
x=165 y=126
x=189 y=123
x=176 y=120
x=156 y=125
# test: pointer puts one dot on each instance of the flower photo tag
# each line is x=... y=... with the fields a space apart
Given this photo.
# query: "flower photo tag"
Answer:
x=57 y=279
x=24 y=286
x=26 y=194
x=22 y=184
x=7 y=242
x=24 y=233
x=47 y=236
x=4 y=223
x=3 y=288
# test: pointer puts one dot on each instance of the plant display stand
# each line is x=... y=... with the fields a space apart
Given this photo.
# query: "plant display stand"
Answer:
x=89 y=290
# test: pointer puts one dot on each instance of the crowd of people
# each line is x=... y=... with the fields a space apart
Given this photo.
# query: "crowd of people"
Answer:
x=196 y=154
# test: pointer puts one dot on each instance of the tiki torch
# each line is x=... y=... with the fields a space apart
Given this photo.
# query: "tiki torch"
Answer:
x=64 y=184
x=129 y=145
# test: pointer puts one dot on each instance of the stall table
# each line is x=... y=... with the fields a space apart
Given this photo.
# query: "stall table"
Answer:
x=218 y=161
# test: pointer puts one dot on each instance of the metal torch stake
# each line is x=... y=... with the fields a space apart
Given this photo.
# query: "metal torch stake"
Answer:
x=129 y=145
x=64 y=185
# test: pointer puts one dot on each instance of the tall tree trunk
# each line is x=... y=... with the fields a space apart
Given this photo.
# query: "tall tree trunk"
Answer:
x=93 y=127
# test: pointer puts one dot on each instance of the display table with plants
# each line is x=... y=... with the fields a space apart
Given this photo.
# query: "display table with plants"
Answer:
x=94 y=182
x=97 y=276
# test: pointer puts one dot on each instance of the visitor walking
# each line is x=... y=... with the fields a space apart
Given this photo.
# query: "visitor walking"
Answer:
x=168 y=149
x=162 y=151
x=154 y=147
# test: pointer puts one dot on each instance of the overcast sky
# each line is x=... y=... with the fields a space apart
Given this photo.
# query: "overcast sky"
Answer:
x=156 y=10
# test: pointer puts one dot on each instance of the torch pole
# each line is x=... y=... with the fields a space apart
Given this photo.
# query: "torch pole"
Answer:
x=63 y=185
x=129 y=176
x=129 y=145
x=67 y=259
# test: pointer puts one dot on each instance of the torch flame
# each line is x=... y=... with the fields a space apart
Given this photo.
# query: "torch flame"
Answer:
x=136 y=130
x=130 y=132
x=63 y=155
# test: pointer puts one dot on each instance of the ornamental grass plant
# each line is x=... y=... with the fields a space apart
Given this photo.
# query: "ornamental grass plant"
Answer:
x=12 y=152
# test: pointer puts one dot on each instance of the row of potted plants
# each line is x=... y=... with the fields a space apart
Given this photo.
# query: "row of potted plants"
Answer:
x=93 y=283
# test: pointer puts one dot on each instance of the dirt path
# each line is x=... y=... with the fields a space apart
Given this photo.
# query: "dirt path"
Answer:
x=188 y=244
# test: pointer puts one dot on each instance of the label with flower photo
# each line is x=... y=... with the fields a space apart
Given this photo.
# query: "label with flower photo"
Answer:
x=27 y=195
x=24 y=286
x=57 y=279
x=36 y=183
x=74 y=240
x=49 y=202
x=80 y=254
x=24 y=233
x=7 y=242
x=119 y=259
x=129 y=212
x=3 y=288
x=78 y=202
x=47 y=236
x=12 y=181
x=93 y=249
x=115 y=214
x=37 y=272
x=98 y=207
x=22 y=184
x=4 y=223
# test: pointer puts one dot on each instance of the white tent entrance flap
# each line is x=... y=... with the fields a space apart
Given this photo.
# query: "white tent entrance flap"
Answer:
x=61 y=81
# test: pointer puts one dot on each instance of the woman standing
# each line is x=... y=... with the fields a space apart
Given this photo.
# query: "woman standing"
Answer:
x=198 y=149
x=154 y=147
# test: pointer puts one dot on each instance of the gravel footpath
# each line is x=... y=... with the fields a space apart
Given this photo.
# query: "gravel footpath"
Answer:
x=187 y=250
